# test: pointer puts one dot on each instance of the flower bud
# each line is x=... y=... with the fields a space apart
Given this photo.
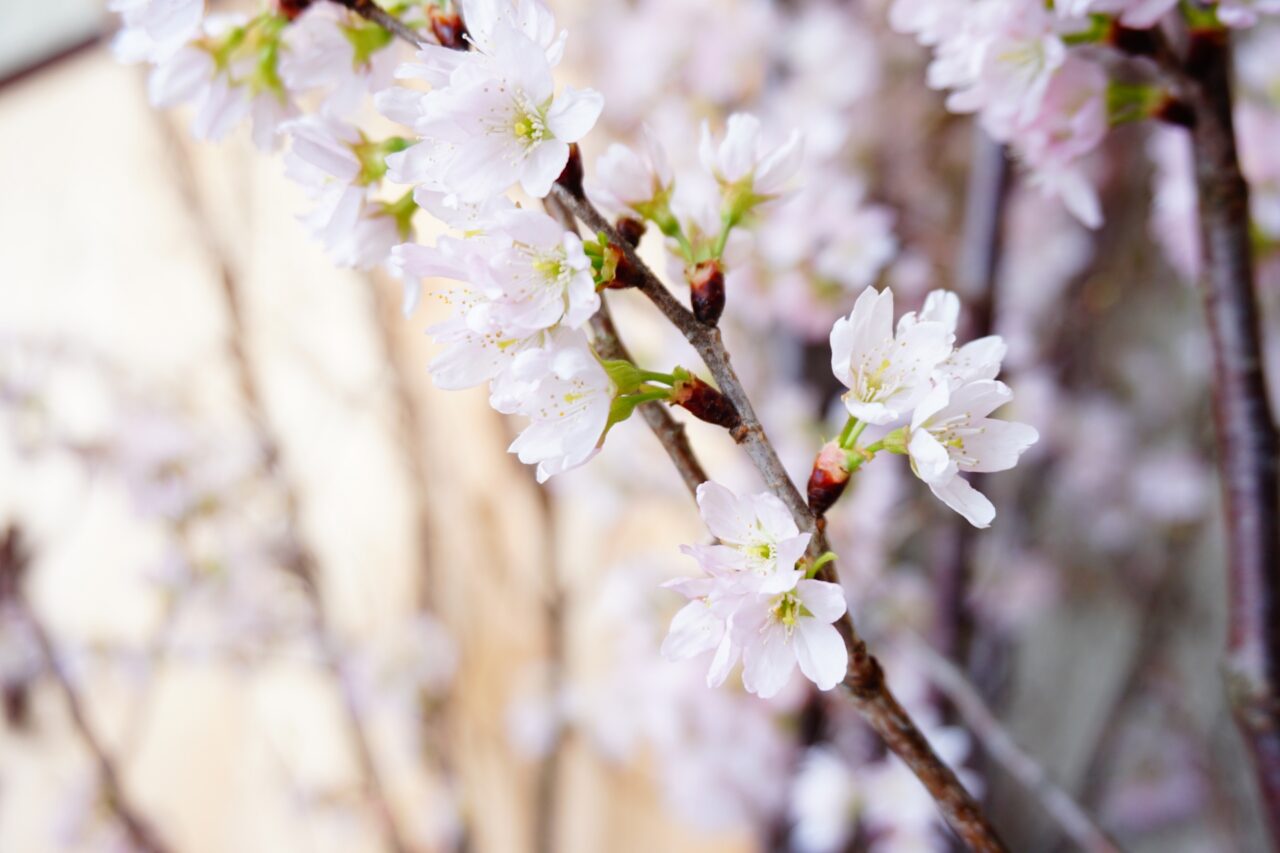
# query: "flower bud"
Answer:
x=1175 y=111
x=571 y=177
x=705 y=403
x=829 y=477
x=706 y=291
x=631 y=230
x=448 y=28
x=292 y=8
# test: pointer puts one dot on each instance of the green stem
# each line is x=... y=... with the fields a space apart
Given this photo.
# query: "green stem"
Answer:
x=817 y=564
x=653 y=376
x=852 y=429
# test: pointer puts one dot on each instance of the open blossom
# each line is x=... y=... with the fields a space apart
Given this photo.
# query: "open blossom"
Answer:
x=154 y=29
x=977 y=359
x=778 y=632
x=744 y=162
x=629 y=181
x=566 y=393
x=753 y=603
x=494 y=119
x=886 y=374
x=356 y=229
x=327 y=48
x=951 y=432
x=757 y=536
x=542 y=277
x=999 y=63
x=226 y=89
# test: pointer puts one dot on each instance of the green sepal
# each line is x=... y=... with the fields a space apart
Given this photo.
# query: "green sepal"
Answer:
x=1128 y=102
x=895 y=442
x=625 y=375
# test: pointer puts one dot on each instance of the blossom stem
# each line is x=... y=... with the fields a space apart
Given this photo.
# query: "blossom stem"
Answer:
x=852 y=429
x=653 y=376
x=816 y=565
x=1247 y=442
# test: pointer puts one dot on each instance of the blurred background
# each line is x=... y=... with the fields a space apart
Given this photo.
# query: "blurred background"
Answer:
x=264 y=588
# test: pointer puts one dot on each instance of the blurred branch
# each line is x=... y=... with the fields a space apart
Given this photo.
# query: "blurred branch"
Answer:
x=298 y=557
x=1248 y=448
x=14 y=561
x=986 y=197
x=1000 y=745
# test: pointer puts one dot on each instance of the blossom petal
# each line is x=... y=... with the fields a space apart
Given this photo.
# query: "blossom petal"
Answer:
x=821 y=653
x=966 y=500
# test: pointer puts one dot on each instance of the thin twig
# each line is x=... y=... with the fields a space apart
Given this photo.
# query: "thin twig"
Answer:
x=1248 y=447
x=1000 y=745
x=13 y=563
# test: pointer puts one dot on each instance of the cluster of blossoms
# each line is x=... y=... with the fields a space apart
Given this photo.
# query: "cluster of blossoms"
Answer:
x=754 y=602
x=935 y=400
x=1025 y=69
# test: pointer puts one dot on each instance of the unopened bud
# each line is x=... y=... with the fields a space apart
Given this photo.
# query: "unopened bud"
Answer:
x=1131 y=41
x=829 y=477
x=448 y=28
x=705 y=403
x=616 y=272
x=292 y=8
x=706 y=291
x=631 y=230
x=1176 y=112
x=571 y=177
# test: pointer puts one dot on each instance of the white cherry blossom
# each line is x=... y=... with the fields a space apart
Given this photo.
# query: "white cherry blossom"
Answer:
x=744 y=161
x=886 y=374
x=777 y=632
x=950 y=432
x=566 y=393
x=757 y=536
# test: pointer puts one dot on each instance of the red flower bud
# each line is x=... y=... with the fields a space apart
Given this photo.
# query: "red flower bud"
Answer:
x=706 y=291
x=448 y=28
x=705 y=403
x=292 y=8
x=631 y=230
x=829 y=477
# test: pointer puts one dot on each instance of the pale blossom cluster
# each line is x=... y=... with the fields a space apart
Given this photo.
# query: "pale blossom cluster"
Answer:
x=935 y=398
x=754 y=602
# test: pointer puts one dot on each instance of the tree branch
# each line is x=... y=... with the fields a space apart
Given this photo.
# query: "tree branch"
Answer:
x=1248 y=449
x=13 y=563
x=865 y=679
x=1000 y=745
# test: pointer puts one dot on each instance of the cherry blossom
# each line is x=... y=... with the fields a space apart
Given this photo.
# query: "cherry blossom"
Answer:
x=886 y=374
x=567 y=394
x=950 y=432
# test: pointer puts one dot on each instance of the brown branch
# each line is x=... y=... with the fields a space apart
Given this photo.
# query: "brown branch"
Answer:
x=1248 y=449
x=371 y=11
x=298 y=558
x=865 y=679
x=13 y=564
x=1000 y=745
